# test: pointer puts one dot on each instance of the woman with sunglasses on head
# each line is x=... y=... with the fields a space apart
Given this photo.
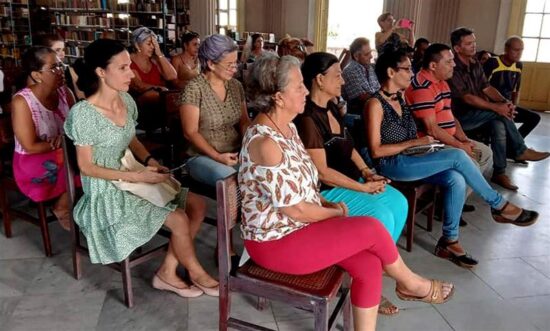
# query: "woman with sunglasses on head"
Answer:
x=116 y=222
x=391 y=129
x=151 y=72
x=187 y=62
x=213 y=112
x=38 y=113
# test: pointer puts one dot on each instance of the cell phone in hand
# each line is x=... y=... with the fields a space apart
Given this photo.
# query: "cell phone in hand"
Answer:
x=405 y=23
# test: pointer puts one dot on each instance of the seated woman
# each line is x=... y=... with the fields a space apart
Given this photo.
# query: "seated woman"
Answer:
x=213 y=112
x=343 y=173
x=389 y=35
x=38 y=113
x=288 y=227
x=57 y=43
x=116 y=222
x=187 y=62
x=391 y=130
x=151 y=72
x=253 y=50
x=292 y=46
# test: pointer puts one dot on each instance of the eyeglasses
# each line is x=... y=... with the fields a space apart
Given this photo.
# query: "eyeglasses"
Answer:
x=404 y=68
x=58 y=67
x=229 y=66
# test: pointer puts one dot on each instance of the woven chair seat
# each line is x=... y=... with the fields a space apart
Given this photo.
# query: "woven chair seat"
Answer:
x=321 y=283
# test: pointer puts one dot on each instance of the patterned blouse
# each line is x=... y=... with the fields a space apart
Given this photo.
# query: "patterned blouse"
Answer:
x=265 y=189
x=394 y=128
x=218 y=120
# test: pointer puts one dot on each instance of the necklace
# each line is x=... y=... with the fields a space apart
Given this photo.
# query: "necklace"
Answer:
x=276 y=126
x=392 y=96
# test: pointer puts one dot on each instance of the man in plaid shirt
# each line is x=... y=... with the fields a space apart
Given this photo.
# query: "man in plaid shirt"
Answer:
x=361 y=82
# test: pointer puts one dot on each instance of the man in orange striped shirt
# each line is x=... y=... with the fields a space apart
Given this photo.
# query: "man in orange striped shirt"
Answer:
x=429 y=98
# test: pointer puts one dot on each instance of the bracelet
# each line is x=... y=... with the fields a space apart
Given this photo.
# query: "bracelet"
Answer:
x=160 y=56
x=147 y=159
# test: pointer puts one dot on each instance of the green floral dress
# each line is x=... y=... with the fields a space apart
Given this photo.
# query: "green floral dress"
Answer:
x=114 y=222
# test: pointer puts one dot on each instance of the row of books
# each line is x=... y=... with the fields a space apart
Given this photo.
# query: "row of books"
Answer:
x=131 y=5
x=93 y=35
x=107 y=21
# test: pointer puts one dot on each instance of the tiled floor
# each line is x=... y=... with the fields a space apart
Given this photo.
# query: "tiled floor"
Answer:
x=509 y=290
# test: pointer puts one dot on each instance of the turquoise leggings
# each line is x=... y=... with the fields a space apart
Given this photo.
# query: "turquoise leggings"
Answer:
x=389 y=207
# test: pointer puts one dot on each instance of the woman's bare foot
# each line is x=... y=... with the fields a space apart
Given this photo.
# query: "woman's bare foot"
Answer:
x=511 y=211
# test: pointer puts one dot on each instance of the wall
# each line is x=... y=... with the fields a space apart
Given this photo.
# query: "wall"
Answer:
x=483 y=17
x=489 y=18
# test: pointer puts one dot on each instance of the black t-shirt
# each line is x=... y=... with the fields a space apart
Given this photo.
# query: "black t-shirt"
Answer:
x=314 y=130
x=506 y=79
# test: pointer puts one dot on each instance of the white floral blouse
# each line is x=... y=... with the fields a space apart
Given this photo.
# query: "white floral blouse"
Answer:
x=265 y=189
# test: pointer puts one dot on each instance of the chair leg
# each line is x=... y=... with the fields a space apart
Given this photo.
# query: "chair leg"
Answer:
x=431 y=211
x=347 y=314
x=5 y=213
x=44 y=229
x=77 y=257
x=411 y=219
x=127 y=283
x=321 y=316
x=224 y=304
x=262 y=303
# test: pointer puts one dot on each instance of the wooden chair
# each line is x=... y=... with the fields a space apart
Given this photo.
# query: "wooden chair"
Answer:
x=8 y=184
x=421 y=198
x=310 y=292
x=78 y=249
x=344 y=58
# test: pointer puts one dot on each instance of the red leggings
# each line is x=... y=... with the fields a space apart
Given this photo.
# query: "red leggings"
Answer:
x=360 y=245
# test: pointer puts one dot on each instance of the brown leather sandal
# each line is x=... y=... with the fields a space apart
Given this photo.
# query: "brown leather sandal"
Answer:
x=526 y=218
x=435 y=295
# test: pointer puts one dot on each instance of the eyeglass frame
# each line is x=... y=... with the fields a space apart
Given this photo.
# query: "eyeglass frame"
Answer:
x=58 y=67
x=231 y=66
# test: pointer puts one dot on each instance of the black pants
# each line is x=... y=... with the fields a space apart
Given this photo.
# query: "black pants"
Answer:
x=528 y=119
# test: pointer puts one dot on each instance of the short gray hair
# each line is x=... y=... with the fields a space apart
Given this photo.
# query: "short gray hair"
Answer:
x=214 y=48
x=140 y=35
x=269 y=75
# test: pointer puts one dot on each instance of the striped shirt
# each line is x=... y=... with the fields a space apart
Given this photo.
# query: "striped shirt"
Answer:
x=427 y=97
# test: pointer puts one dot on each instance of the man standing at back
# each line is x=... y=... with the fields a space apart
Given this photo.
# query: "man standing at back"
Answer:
x=504 y=74
x=475 y=103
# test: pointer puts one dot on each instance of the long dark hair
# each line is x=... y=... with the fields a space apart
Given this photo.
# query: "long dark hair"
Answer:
x=97 y=55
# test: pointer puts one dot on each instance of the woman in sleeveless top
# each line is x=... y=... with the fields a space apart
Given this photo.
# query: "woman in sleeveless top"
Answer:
x=286 y=224
x=38 y=114
x=391 y=130
x=151 y=72
x=187 y=62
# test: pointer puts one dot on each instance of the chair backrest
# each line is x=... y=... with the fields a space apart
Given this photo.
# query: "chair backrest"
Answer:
x=228 y=198
x=344 y=58
x=71 y=169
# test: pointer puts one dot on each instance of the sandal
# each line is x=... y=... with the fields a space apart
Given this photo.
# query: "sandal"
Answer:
x=435 y=295
x=526 y=218
x=386 y=307
x=442 y=250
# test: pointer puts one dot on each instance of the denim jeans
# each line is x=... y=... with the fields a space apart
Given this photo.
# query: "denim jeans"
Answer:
x=452 y=169
x=207 y=171
x=504 y=135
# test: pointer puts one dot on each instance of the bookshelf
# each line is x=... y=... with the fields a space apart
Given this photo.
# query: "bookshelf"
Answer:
x=83 y=21
x=15 y=28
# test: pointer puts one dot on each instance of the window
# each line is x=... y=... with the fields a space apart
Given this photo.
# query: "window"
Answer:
x=226 y=16
x=536 y=31
x=342 y=22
